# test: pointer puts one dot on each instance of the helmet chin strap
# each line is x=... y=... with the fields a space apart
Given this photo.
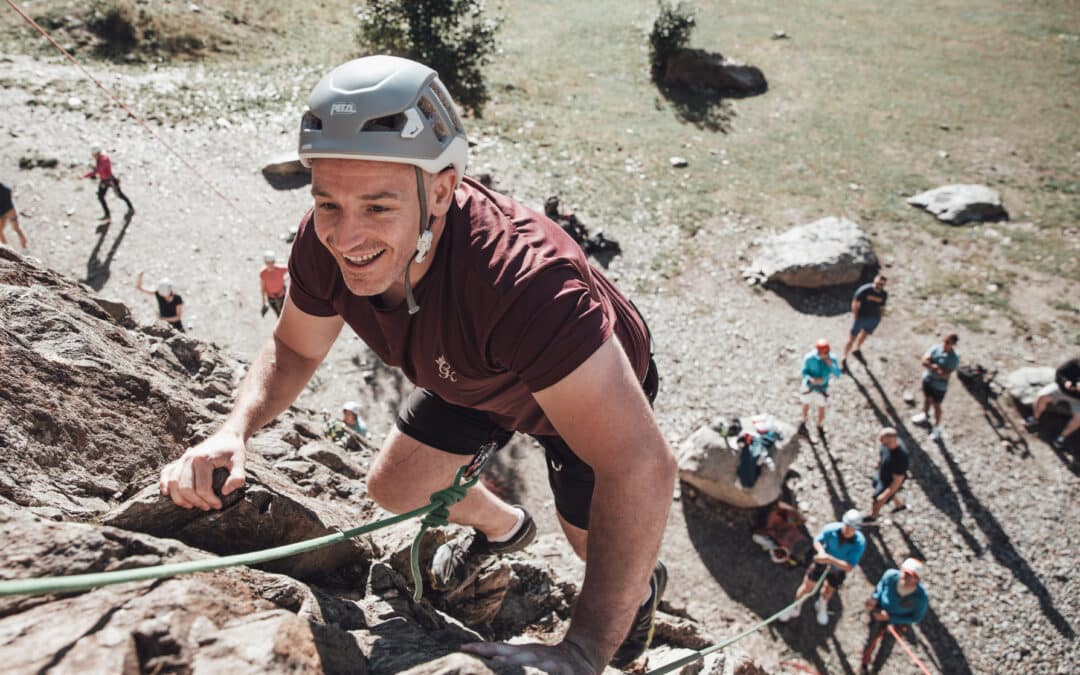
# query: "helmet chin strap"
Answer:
x=423 y=242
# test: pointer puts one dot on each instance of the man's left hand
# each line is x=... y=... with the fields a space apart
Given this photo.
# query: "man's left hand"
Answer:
x=560 y=659
x=880 y=615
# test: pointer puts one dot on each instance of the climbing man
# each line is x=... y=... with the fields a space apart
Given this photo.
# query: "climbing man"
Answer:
x=170 y=304
x=272 y=283
x=837 y=550
x=496 y=316
x=890 y=474
x=1064 y=391
x=939 y=362
x=899 y=600
x=8 y=214
x=866 y=309
x=817 y=368
x=103 y=172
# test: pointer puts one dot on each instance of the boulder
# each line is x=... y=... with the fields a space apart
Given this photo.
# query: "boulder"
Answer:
x=285 y=172
x=1024 y=384
x=828 y=252
x=959 y=204
x=331 y=457
x=708 y=462
x=699 y=69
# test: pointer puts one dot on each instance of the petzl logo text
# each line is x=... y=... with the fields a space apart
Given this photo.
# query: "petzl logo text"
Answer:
x=343 y=109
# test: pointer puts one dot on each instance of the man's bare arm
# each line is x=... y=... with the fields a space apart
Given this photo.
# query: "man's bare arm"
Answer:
x=602 y=413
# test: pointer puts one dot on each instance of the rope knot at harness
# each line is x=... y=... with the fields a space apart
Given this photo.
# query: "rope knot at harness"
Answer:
x=444 y=499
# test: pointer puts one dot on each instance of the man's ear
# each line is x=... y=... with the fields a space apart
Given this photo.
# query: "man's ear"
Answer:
x=442 y=192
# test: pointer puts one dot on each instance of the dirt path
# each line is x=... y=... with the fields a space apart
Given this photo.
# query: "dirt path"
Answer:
x=995 y=525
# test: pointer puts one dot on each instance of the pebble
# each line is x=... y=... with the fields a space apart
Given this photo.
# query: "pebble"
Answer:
x=679 y=162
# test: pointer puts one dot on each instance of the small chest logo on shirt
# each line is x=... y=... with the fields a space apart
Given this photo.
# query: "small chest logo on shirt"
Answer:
x=445 y=371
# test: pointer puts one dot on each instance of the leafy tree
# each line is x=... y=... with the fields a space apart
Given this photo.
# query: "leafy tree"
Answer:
x=670 y=31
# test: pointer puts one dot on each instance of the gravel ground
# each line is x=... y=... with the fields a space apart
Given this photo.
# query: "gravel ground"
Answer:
x=991 y=508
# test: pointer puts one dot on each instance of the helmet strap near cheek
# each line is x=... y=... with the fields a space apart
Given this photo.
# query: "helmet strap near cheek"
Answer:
x=423 y=241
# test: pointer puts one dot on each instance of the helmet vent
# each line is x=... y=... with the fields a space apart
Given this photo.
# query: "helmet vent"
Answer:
x=388 y=123
x=427 y=107
x=444 y=98
x=310 y=122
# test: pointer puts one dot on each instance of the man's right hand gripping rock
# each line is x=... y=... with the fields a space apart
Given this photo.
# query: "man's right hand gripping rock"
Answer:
x=190 y=479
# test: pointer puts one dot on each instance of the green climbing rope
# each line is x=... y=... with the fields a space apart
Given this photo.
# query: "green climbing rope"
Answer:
x=702 y=653
x=440 y=504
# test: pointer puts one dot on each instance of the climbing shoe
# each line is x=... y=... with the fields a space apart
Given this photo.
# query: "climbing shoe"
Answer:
x=641 y=631
x=457 y=562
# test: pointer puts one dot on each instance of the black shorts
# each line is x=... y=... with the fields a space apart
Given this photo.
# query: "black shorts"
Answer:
x=935 y=395
x=5 y=200
x=835 y=577
x=461 y=431
x=880 y=487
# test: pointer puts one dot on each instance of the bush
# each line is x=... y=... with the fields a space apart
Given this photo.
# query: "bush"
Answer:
x=452 y=36
x=670 y=31
x=115 y=22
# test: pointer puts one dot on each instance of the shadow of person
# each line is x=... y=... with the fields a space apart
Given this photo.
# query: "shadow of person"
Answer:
x=1001 y=546
x=97 y=270
x=838 y=493
x=721 y=536
x=1000 y=422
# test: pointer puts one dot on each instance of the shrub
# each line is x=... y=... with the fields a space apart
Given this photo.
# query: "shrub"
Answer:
x=115 y=22
x=670 y=31
x=452 y=36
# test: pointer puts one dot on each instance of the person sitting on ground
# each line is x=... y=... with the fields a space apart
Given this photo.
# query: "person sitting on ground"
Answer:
x=939 y=362
x=501 y=323
x=890 y=474
x=867 y=307
x=781 y=533
x=1063 y=391
x=8 y=214
x=350 y=431
x=837 y=550
x=272 y=283
x=817 y=368
x=170 y=304
x=106 y=179
x=899 y=600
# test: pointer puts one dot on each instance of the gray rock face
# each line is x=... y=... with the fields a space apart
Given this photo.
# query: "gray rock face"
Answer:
x=959 y=204
x=828 y=252
x=330 y=456
x=1024 y=384
x=699 y=69
x=707 y=462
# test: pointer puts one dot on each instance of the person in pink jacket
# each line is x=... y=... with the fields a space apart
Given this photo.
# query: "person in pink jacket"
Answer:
x=103 y=172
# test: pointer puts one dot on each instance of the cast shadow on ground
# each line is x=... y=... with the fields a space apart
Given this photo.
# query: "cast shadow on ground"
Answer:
x=707 y=110
x=824 y=301
x=936 y=487
x=721 y=536
x=1001 y=423
x=97 y=270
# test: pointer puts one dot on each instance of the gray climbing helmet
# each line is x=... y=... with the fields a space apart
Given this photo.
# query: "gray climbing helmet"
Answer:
x=387 y=109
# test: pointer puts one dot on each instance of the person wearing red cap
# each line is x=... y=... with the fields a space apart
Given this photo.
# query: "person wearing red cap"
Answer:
x=899 y=600
x=817 y=368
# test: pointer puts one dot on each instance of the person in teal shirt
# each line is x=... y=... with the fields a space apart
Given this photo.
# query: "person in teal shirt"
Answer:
x=818 y=367
x=899 y=600
x=939 y=363
x=837 y=550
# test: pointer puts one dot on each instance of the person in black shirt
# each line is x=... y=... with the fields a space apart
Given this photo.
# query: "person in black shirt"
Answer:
x=170 y=304
x=866 y=309
x=891 y=472
x=1064 y=392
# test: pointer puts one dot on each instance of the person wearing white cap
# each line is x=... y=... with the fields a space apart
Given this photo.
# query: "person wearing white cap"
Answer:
x=837 y=551
x=899 y=599
x=272 y=283
x=170 y=304
x=350 y=415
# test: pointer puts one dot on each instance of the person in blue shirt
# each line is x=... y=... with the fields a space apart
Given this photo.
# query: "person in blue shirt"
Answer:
x=939 y=362
x=837 y=551
x=866 y=309
x=899 y=599
x=817 y=368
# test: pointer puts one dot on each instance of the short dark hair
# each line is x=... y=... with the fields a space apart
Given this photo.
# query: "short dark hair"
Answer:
x=881 y=276
x=952 y=337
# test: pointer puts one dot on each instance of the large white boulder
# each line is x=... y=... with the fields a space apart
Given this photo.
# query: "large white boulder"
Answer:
x=1024 y=383
x=959 y=204
x=709 y=462
x=828 y=252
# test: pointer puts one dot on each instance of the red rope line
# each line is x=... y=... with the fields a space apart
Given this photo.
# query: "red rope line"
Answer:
x=798 y=666
x=124 y=106
x=911 y=654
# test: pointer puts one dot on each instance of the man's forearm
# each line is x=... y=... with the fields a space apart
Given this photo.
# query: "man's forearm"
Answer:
x=626 y=526
x=275 y=379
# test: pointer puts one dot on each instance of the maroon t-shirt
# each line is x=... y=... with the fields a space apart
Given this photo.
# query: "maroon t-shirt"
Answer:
x=509 y=306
